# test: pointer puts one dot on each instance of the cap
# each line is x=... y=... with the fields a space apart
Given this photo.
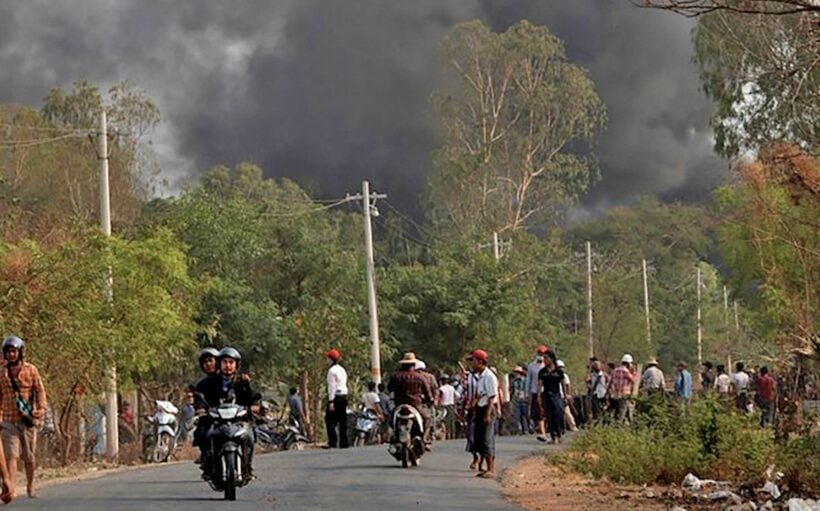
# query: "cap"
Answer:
x=333 y=354
x=479 y=355
x=543 y=349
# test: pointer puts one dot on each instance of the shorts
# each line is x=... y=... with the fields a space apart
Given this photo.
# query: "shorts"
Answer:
x=19 y=441
x=536 y=409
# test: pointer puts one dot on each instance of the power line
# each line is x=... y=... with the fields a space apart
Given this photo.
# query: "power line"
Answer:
x=22 y=144
x=403 y=234
x=309 y=211
x=22 y=127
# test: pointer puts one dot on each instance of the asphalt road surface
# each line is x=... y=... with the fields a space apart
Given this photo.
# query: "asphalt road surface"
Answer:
x=362 y=479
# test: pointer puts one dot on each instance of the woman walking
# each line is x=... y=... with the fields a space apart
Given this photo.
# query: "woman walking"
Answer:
x=551 y=377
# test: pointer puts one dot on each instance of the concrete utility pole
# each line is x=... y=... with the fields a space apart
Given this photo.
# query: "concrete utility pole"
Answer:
x=646 y=307
x=589 y=299
x=111 y=428
x=700 y=322
x=496 y=251
x=375 y=355
x=727 y=337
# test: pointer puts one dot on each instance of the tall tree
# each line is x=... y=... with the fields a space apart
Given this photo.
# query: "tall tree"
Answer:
x=513 y=128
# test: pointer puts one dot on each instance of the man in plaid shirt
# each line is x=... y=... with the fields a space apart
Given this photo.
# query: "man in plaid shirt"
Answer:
x=19 y=432
x=621 y=382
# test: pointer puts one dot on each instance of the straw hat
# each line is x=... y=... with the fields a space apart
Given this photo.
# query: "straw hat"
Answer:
x=409 y=359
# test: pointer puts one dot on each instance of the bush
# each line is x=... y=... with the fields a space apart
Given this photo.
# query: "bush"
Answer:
x=667 y=441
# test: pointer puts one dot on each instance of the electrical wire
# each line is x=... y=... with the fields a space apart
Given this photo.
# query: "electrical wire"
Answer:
x=308 y=211
x=22 y=144
x=22 y=127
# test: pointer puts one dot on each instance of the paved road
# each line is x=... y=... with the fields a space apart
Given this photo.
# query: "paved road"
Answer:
x=362 y=479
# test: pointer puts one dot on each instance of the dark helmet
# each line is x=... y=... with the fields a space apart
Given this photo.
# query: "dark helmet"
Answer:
x=228 y=352
x=207 y=352
x=13 y=341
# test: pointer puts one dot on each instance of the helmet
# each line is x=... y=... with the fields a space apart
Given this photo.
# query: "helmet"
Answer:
x=420 y=365
x=560 y=363
x=228 y=352
x=627 y=359
x=13 y=341
x=207 y=352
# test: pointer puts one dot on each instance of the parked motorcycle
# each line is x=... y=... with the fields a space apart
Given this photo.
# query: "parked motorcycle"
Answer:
x=367 y=425
x=162 y=438
x=229 y=440
x=275 y=434
x=407 y=444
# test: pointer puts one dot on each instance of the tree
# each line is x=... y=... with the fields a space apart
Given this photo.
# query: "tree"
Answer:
x=694 y=8
x=513 y=130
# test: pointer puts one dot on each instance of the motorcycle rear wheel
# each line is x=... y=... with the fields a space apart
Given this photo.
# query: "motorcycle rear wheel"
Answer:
x=163 y=448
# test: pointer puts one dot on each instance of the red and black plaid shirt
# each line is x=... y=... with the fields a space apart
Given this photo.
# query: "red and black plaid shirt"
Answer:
x=410 y=388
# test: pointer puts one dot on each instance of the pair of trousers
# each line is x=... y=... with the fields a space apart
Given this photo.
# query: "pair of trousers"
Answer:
x=337 y=418
x=554 y=406
x=522 y=416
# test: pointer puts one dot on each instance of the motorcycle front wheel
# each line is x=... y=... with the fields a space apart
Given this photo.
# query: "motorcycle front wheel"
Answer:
x=230 y=460
x=163 y=448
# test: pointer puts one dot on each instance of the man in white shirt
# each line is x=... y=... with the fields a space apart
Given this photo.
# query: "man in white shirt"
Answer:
x=446 y=400
x=336 y=415
x=652 y=380
x=722 y=381
x=486 y=395
x=740 y=387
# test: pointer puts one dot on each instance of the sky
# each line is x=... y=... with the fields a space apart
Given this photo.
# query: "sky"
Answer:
x=335 y=91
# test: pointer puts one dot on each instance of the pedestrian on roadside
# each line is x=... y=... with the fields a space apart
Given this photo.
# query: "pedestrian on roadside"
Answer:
x=740 y=387
x=23 y=404
x=485 y=408
x=598 y=390
x=652 y=380
x=520 y=398
x=621 y=384
x=536 y=406
x=186 y=417
x=683 y=383
x=551 y=380
x=447 y=401
x=297 y=409
x=470 y=386
x=766 y=393
x=566 y=396
x=387 y=411
x=722 y=381
x=707 y=377
x=336 y=414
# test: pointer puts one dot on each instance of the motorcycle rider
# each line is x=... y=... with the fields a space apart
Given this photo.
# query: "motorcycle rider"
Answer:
x=221 y=386
x=432 y=383
x=411 y=388
x=208 y=364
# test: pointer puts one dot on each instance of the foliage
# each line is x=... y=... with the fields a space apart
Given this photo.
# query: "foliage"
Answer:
x=513 y=129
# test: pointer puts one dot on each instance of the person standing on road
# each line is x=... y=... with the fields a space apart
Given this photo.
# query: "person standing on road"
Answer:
x=551 y=378
x=520 y=398
x=485 y=407
x=740 y=387
x=620 y=388
x=470 y=387
x=683 y=383
x=447 y=402
x=23 y=404
x=766 y=392
x=336 y=414
x=536 y=407
x=566 y=397
x=599 y=382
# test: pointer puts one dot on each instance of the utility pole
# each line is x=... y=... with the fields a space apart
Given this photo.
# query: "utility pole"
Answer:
x=646 y=307
x=700 y=323
x=111 y=428
x=496 y=252
x=589 y=299
x=370 y=269
x=727 y=337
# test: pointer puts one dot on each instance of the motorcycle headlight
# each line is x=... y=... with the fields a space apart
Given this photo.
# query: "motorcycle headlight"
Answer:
x=227 y=413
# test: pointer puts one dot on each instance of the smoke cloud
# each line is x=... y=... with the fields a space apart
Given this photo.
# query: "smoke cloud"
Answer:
x=330 y=93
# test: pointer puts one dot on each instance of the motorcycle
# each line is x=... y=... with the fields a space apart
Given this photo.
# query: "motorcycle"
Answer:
x=407 y=444
x=228 y=439
x=273 y=434
x=162 y=438
x=367 y=425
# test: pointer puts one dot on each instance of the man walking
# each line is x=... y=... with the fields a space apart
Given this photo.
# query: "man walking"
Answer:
x=520 y=398
x=620 y=388
x=707 y=377
x=722 y=381
x=486 y=395
x=740 y=387
x=23 y=405
x=447 y=401
x=652 y=380
x=336 y=414
x=683 y=383
x=599 y=383
x=536 y=407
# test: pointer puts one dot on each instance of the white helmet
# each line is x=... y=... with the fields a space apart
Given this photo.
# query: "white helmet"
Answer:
x=420 y=365
x=627 y=359
x=560 y=363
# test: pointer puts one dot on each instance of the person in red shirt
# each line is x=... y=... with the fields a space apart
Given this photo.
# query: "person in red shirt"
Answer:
x=766 y=390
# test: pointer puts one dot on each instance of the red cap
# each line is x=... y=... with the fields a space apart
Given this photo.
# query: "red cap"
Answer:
x=543 y=349
x=479 y=355
x=333 y=354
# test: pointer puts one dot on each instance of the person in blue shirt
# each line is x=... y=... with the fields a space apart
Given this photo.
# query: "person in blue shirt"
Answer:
x=683 y=383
